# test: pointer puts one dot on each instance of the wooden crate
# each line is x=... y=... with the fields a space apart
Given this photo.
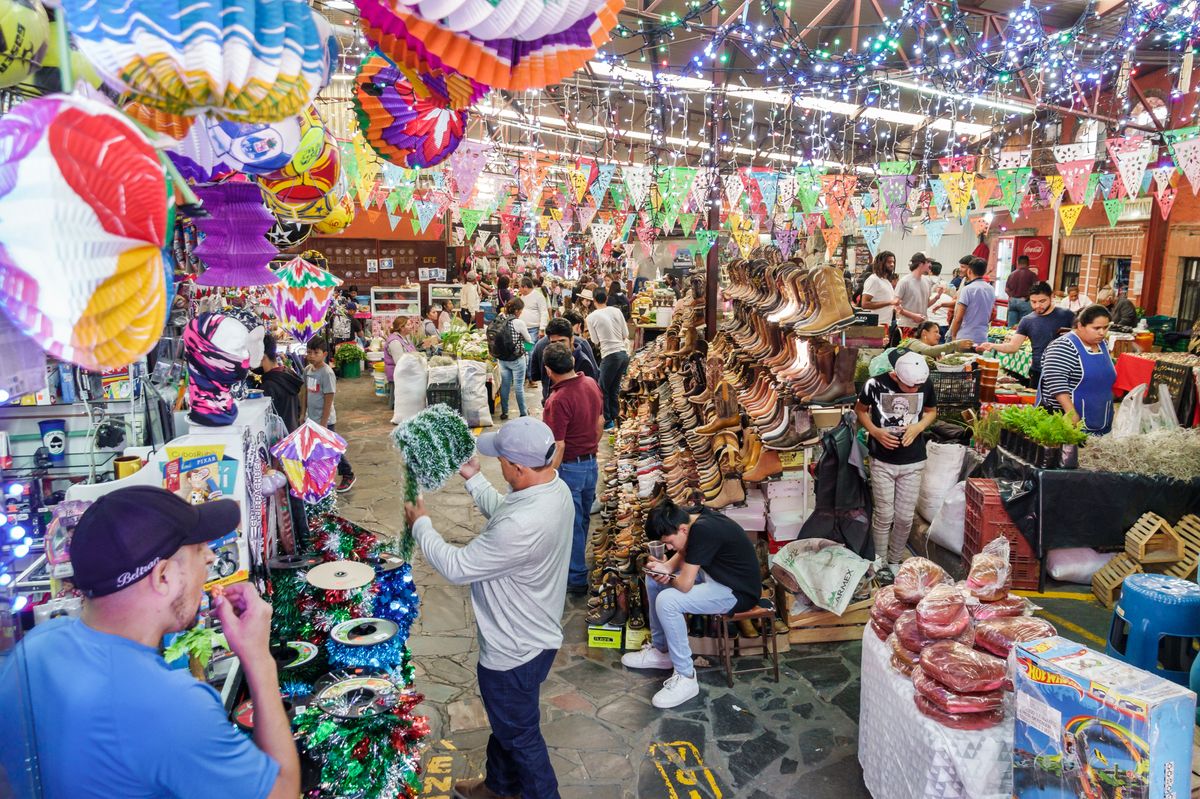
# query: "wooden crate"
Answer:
x=1153 y=540
x=1188 y=531
x=821 y=626
x=1106 y=583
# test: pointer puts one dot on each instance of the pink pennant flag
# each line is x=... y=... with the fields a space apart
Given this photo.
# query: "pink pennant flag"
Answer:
x=1075 y=176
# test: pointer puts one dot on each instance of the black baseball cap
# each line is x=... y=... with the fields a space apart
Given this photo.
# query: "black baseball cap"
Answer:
x=122 y=535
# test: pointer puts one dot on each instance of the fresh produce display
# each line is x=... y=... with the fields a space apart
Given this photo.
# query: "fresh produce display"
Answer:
x=1167 y=453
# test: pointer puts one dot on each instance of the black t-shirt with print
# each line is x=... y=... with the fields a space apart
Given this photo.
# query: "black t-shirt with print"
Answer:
x=720 y=547
x=894 y=409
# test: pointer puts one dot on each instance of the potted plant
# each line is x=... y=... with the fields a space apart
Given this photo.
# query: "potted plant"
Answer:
x=198 y=644
x=348 y=359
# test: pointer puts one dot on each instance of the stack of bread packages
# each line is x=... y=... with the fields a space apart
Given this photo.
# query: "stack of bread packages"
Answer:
x=950 y=639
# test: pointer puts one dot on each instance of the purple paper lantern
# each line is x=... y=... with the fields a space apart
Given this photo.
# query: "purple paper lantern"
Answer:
x=234 y=249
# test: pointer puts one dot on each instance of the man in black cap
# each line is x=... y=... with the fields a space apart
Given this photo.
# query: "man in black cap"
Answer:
x=107 y=716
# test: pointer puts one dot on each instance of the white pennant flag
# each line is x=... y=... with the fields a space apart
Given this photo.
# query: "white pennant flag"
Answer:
x=1162 y=177
x=601 y=233
x=1187 y=156
x=637 y=184
x=1132 y=166
x=1014 y=159
x=698 y=196
x=584 y=215
x=733 y=189
x=787 y=191
x=1066 y=153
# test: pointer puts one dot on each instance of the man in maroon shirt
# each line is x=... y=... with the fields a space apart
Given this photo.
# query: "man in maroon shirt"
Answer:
x=1017 y=288
x=575 y=414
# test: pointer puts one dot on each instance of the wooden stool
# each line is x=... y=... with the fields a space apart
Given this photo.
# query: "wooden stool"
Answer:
x=764 y=619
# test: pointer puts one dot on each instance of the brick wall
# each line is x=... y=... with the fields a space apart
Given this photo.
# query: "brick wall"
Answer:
x=1095 y=244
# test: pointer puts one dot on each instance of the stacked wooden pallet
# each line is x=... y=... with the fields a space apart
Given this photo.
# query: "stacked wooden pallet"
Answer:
x=1151 y=545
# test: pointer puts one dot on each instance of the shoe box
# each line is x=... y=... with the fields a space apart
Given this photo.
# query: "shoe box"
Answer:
x=606 y=636
x=634 y=639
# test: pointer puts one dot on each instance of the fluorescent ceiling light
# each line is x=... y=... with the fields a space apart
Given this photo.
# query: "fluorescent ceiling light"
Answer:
x=891 y=115
x=622 y=72
x=340 y=5
x=1001 y=105
x=958 y=126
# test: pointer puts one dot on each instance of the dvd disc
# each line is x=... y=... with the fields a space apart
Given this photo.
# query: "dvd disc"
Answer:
x=293 y=561
x=387 y=562
x=364 y=632
x=340 y=575
x=293 y=654
x=355 y=694
x=243 y=715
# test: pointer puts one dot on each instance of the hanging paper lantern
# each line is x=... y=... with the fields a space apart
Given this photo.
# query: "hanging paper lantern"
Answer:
x=285 y=234
x=301 y=296
x=246 y=60
x=310 y=455
x=408 y=119
x=338 y=220
x=234 y=248
x=257 y=148
x=304 y=196
x=84 y=216
x=509 y=44
x=24 y=38
x=194 y=156
x=312 y=141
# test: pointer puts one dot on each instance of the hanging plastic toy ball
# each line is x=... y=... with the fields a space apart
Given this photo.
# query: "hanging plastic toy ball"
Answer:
x=24 y=39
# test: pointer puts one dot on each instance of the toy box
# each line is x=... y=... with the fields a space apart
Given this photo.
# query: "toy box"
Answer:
x=1091 y=727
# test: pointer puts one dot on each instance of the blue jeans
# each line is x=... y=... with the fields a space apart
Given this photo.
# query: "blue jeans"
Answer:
x=581 y=479
x=612 y=370
x=518 y=763
x=512 y=375
x=668 y=628
x=1017 y=308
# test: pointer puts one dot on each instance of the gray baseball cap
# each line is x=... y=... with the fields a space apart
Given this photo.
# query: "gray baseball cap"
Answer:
x=525 y=441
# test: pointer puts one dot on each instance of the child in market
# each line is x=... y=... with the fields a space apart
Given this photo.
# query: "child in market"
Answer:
x=896 y=409
x=320 y=385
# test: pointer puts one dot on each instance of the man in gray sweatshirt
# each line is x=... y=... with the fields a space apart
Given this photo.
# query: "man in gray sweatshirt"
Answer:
x=517 y=569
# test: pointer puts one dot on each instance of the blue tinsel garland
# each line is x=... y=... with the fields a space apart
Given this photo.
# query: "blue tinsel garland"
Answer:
x=397 y=599
x=386 y=656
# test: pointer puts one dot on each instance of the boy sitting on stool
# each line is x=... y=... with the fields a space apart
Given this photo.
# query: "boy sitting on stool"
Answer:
x=714 y=571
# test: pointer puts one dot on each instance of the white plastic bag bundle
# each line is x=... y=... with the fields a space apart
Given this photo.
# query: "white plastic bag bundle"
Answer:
x=472 y=380
x=826 y=574
x=1137 y=417
x=443 y=375
x=941 y=473
x=1076 y=564
x=410 y=378
x=946 y=530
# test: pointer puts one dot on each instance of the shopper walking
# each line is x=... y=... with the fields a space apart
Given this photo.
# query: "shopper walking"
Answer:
x=896 y=409
x=878 y=294
x=942 y=300
x=575 y=413
x=141 y=558
x=608 y=329
x=913 y=291
x=561 y=331
x=1040 y=328
x=517 y=570
x=321 y=385
x=506 y=337
x=713 y=571
x=973 y=311
x=1017 y=288
x=536 y=312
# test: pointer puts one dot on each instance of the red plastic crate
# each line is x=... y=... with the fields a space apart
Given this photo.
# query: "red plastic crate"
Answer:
x=986 y=520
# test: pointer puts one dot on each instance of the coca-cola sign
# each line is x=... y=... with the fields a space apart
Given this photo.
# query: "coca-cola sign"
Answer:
x=1034 y=249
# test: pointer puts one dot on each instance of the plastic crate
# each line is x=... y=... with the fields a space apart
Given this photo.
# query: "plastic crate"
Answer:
x=986 y=520
x=446 y=393
x=956 y=388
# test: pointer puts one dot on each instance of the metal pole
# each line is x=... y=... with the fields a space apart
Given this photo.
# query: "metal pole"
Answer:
x=712 y=262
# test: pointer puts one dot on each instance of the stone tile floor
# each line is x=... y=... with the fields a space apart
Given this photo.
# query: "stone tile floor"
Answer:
x=760 y=739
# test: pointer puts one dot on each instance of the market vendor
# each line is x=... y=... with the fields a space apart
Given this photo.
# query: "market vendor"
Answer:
x=111 y=719
x=1040 y=328
x=927 y=338
x=1078 y=373
x=1124 y=314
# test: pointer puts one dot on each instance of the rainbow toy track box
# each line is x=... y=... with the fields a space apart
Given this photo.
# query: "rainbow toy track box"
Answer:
x=1092 y=727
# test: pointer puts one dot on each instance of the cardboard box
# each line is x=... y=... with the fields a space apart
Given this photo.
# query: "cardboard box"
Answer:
x=1090 y=726
x=605 y=637
x=634 y=639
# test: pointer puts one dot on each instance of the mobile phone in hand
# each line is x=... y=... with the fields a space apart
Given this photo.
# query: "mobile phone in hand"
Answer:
x=660 y=574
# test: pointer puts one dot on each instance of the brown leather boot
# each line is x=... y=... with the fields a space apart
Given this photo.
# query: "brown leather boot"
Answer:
x=841 y=387
x=732 y=492
x=768 y=466
x=833 y=309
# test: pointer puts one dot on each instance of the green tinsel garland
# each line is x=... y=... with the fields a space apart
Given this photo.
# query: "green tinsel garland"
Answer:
x=434 y=443
x=377 y=757
x=411 y=492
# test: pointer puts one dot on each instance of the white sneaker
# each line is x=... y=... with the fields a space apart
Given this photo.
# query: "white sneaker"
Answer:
x=647 y=658
x=676 y=690
x=894 y=568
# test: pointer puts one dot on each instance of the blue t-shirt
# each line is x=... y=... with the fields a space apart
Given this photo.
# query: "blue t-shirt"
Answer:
x=979 y=297
x=111 y=720
x=1041 y=330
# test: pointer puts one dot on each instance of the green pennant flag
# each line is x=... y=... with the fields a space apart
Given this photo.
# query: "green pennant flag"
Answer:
x=705 y=240
x=522 y=240
x=393 y=199
x=405 y=193
x=668 y=222
x=629 y=220
x=617 y=190
x=1114 y=208
x=1013 y=183
x=897 y=167
x=828 y=219
x=688 y=223
x=470 y=219
x=1089 y=195
x=416 y=223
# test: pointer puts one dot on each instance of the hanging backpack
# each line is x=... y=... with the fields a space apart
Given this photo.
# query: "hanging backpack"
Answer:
x=500 y=339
